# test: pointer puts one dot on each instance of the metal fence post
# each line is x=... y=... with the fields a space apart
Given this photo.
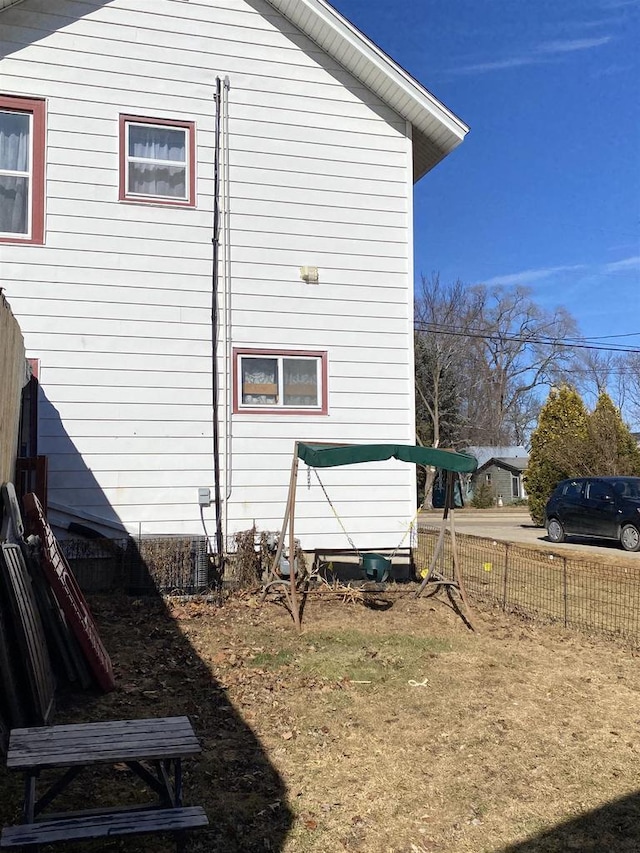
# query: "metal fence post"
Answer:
x=564 y=590
x=504 y=580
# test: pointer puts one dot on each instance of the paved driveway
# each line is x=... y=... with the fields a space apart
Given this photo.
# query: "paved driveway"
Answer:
x=514 y=525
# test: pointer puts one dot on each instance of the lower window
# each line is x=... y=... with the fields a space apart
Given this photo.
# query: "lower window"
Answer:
x=280 y=382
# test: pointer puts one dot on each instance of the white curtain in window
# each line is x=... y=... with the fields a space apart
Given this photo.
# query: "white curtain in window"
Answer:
x=151 y=142
x=258 y=372
x=14 y=159
x=166 y=145
x=300 y=377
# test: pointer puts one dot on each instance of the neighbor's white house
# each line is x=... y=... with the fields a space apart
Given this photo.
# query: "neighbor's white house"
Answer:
x=121 y=124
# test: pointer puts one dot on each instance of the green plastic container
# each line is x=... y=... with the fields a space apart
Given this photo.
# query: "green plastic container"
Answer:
x=376 y=567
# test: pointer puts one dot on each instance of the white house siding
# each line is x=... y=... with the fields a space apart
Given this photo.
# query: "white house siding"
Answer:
x=116 y=304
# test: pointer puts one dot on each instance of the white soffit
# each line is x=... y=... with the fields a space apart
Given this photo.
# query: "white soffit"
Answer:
x=4 y=4
x=436 y=130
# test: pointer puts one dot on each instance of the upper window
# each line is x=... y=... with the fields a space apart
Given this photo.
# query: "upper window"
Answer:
x=280 y=382
x=21 y=170
x=157 y=161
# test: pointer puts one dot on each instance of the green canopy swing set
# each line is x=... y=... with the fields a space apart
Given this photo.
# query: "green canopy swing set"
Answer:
x=376 y=567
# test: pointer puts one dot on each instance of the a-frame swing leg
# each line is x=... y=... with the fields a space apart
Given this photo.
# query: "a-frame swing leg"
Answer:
x=291 y=592
x=433 y=577
x=440 y=543
x=434 y=559
x=457 y=581
x=457 y=574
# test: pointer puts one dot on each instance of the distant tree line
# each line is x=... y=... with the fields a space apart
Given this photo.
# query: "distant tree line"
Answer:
x=486 y=358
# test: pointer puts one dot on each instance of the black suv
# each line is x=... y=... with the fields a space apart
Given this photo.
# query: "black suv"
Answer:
x=608 y=507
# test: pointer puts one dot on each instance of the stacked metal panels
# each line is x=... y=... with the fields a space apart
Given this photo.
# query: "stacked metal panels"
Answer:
x=47 y=633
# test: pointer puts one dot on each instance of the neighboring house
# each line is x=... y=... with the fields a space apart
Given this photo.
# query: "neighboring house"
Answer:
x=503 y=469
x=170 y=362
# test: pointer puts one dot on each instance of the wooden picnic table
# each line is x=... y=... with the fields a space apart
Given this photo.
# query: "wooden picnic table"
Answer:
x=153 y=749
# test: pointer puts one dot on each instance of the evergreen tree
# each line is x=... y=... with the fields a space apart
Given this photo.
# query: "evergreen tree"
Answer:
x=611 y=449
x=557 y=447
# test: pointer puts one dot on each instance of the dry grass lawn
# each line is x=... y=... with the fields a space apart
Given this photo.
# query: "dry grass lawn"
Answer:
x=386 y=731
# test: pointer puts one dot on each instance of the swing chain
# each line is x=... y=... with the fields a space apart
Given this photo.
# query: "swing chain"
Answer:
x=339 y=520
x=335 y=512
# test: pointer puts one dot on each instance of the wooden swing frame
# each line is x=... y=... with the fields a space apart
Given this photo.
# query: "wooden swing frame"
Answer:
x=449 y=461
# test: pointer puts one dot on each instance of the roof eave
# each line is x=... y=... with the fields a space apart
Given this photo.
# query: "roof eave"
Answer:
x=500 y=463
x=436 y=130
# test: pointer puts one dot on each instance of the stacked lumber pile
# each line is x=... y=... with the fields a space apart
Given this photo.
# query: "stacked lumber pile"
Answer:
x=48 y=637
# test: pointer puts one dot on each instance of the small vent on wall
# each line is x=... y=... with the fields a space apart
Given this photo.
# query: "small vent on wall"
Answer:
x=309 y=274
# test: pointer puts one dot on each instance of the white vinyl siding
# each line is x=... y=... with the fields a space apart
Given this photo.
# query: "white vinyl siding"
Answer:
x=117 y=304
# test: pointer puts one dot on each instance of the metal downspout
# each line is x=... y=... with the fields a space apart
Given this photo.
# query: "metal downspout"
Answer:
x=215 y=335
x=226 y=194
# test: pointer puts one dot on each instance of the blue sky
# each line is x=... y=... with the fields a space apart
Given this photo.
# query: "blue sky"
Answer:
x=545 y=189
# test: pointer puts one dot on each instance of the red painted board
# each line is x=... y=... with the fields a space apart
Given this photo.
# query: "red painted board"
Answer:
x=69 y=595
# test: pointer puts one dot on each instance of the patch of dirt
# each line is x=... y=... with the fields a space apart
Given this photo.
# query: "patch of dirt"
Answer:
x=394 y=731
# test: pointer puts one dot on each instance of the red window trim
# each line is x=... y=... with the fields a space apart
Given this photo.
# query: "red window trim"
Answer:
x=191 y=182
x=36 y=107
x=279 y=410
x=34 y=364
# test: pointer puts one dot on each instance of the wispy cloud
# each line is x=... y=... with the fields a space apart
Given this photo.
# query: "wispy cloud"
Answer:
x=531 y=276
x=596 y=23
x=569 y=45
x=538 y=55
x=624 y=265
x=499 y=64
x=609 y=70
x=618 y=4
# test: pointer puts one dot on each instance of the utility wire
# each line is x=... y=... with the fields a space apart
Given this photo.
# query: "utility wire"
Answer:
x=569 y=343
x=578 y=339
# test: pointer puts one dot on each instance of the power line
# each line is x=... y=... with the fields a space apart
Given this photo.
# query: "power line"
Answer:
x=569 y=343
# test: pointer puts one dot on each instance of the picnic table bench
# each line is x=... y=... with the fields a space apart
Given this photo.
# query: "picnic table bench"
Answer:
x=152 y=749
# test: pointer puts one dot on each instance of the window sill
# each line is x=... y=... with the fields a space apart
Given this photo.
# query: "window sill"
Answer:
x=280 y=412
x=158 y=202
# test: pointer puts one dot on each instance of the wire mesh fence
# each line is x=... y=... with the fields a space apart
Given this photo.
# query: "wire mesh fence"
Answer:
x=592 y=596
x=140 y=567
x=167 y=564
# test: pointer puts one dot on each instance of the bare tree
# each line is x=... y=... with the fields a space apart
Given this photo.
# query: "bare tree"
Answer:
x=597 y=371
x=439 y=364
x=440 y=357
x=519 y=347
x=628 y=385
x=482 y=356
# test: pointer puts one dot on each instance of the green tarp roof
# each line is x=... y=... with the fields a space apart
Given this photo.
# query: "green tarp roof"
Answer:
x=329 y=455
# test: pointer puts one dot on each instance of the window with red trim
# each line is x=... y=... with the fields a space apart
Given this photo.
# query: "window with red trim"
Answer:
x=280 y=382
x=22 y=144
x=157 y=161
